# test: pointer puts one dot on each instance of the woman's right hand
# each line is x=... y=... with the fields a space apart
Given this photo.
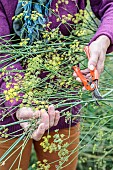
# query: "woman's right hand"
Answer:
x=47 y=119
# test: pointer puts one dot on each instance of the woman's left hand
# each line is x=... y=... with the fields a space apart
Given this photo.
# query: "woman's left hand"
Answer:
x=47 y=119
x=97 y=49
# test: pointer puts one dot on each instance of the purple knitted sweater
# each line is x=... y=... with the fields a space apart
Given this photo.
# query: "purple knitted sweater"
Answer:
x=103 y=9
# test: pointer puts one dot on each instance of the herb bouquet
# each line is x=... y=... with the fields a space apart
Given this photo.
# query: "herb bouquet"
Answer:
x=47 y=78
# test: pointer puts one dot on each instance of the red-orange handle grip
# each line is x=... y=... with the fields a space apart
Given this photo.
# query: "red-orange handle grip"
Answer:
x=82 y=78
x=79 y=74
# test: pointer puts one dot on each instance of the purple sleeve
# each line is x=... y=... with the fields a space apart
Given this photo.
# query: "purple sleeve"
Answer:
x=7 y=106
x=103 y=9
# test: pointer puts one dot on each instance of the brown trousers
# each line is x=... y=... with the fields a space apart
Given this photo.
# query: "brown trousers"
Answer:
x=72 y=137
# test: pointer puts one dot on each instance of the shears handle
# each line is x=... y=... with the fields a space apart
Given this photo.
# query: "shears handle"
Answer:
x=83 y=79
x=94 y=73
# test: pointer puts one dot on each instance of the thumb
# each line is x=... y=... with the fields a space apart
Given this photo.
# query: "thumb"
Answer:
x=93 y=60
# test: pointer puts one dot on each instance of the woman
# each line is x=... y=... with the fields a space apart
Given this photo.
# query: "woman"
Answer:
x=103 y=39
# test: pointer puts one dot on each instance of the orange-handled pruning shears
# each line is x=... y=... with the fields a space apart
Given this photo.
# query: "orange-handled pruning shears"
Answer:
x=89 y=85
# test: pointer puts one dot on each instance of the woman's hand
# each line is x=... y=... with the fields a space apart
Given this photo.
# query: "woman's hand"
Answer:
x=47 y=120
x=97 y=49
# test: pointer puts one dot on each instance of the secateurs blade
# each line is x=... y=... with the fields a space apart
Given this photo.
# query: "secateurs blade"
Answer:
x=91 y=85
